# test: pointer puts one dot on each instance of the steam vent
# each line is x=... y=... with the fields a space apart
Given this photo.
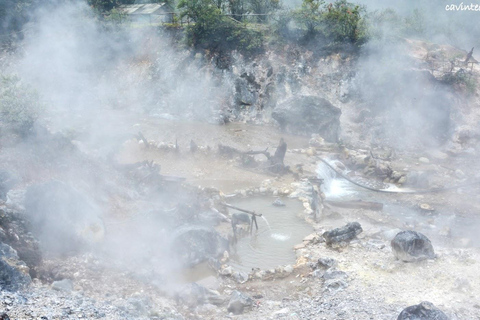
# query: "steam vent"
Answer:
x=223 y=160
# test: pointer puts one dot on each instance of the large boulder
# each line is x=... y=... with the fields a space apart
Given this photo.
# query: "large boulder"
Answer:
x=192 y=245
x=14 y=273
x=239 y=302
x=412 y=246
x=423 y=311
x=62 y=218
x=343 y=235
x=309 y=114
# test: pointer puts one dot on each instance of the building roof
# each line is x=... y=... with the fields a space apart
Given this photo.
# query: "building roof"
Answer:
x=148 y=8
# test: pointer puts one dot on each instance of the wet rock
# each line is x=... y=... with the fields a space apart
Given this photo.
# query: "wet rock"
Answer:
x=342 y=235
x=14 y=273
x=423 y=311
x=63 y=219
x=194 y=244
x=278 y=203
x=412 y=246
x=309 y=114
x=238 y=302
x=65 y=285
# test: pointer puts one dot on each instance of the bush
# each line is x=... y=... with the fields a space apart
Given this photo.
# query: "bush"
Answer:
x=19 y=105
x=217 y=33
x=338 y=22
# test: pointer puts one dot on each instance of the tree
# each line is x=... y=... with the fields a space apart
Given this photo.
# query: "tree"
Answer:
x=19 y=105
x=309 y=15
x=214 y=31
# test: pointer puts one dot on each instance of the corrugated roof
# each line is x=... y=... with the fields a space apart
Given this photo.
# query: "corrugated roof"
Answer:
x=148 y=8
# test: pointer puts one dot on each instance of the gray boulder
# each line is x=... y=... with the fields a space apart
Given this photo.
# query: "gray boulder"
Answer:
x=342 y=235
x=423 y=311
x=309 y=114
x=14 y=273
x=412 y=246
x=192 y=245
x=239 y=302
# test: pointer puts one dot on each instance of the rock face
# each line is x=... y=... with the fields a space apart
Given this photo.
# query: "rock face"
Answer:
x=62 y=218
x=309 y=114
x=194 y=244
x=238 y=302
x=13 y=272
x=412 y=246
x=344 y=234
x=14 y=231
x=423 y=311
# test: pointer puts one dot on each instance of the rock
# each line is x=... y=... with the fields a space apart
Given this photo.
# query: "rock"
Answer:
x=326 y=263
x=309 y=114
x=240 y=277
x=192 y=245
x=342 y=235
x=65 y=285
x=14 y=273
x=193 y=294
x=332 y=273
x=423 y=311
x=238 y=302
x=4 y=316
x=62 y=218
x=278 y=203
x=335 y=284
x=412 y=246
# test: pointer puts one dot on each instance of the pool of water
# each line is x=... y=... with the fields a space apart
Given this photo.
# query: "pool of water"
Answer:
x=279 y=231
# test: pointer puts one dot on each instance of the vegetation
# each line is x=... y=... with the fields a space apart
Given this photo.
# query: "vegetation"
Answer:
x=19 y=105
x=461 y=79
x=216 y=32
x=337 y=22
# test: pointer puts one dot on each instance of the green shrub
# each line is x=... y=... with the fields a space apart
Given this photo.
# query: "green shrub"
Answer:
x=19 y=105
x=337 y=22
x=461 y=79
x=218 y=33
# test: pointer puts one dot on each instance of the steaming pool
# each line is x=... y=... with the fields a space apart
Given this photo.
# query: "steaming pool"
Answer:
x=280 y=229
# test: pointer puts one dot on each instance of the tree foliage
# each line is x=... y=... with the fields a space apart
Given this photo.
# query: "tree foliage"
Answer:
x=338 y=22
x=216 y=32
x=19 y=104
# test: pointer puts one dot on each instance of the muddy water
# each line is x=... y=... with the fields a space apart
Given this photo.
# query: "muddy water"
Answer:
x=272 y=245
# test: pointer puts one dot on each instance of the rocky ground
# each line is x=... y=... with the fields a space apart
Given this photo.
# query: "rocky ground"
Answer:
x=365 y=280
